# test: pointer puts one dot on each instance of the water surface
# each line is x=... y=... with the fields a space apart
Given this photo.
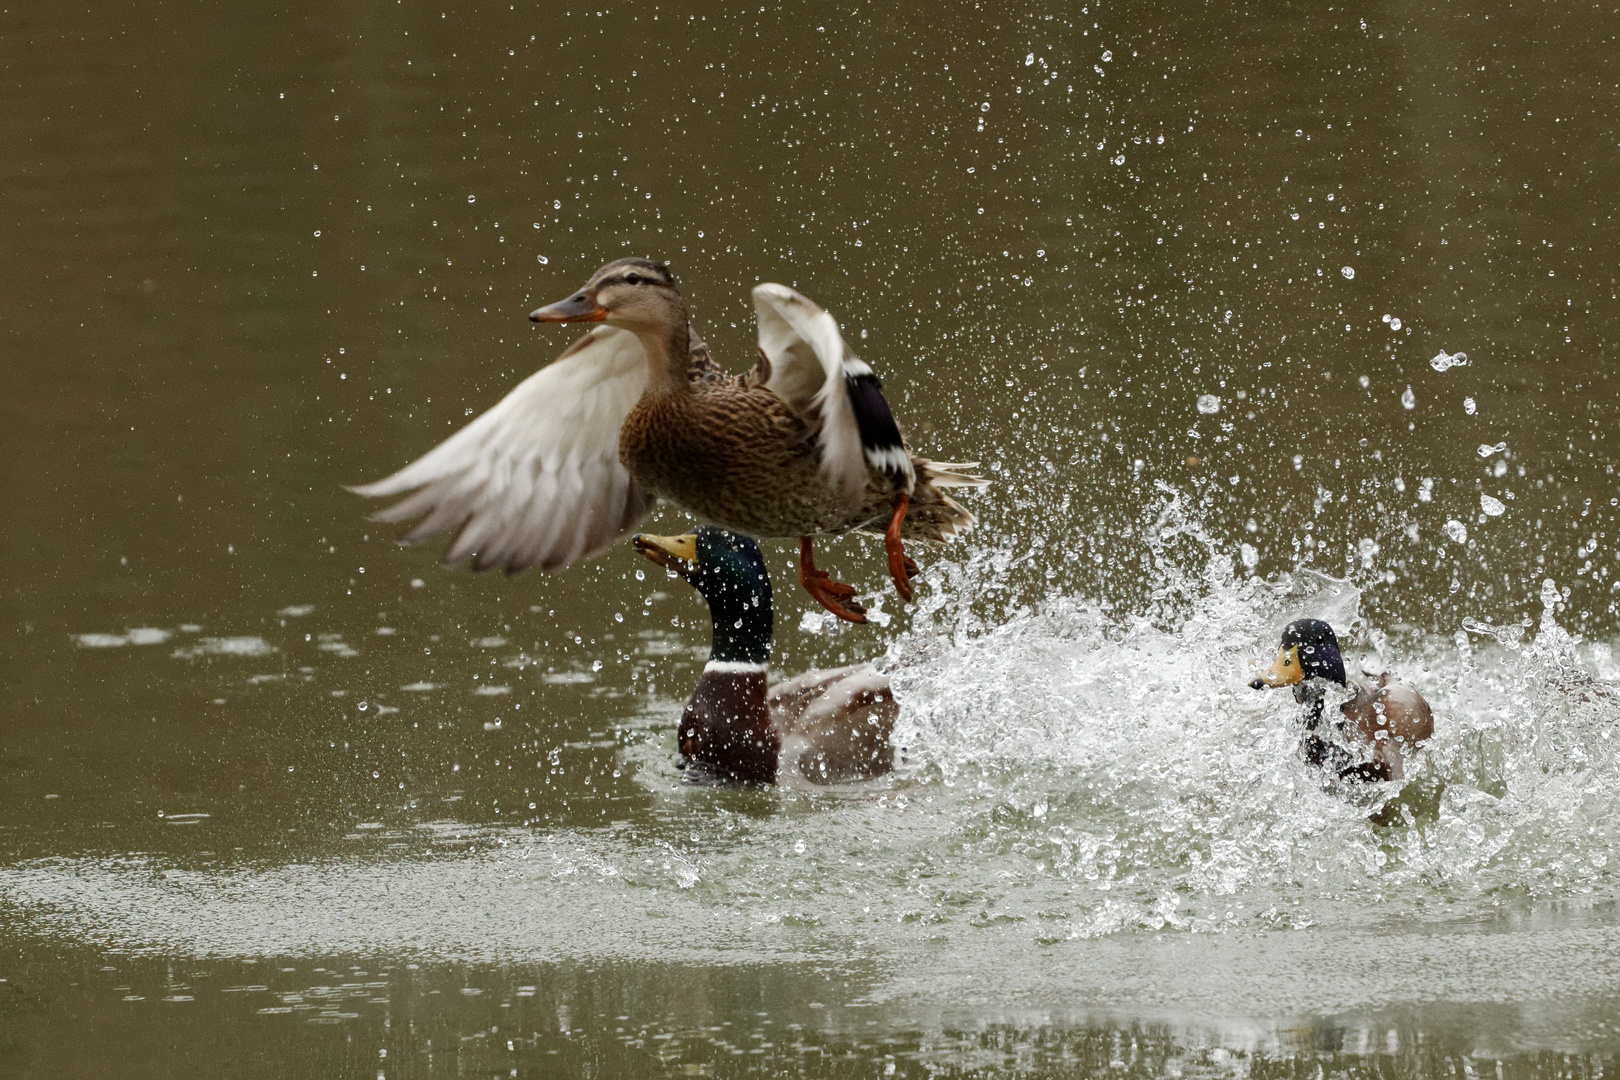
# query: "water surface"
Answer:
x=1247 y=314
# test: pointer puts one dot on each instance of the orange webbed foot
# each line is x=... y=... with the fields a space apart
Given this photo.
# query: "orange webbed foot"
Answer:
x=835 y=596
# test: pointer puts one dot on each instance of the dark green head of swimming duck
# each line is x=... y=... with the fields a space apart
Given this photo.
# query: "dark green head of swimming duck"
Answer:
x=729 y=570
x=1309 y=649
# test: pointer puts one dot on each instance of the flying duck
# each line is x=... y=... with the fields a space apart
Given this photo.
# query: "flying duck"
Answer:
x=636 y=410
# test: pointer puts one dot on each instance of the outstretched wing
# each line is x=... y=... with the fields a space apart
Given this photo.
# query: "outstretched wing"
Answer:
x=814 y=371
x=536 y=480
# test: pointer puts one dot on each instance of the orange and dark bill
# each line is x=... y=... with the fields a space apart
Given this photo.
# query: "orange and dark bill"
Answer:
x=581 y=307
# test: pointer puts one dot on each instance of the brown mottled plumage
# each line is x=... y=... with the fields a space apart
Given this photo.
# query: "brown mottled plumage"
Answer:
x=802 y=444
x=730 y=452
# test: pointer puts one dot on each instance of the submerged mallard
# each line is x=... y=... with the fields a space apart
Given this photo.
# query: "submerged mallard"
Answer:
x=1381 y=722
x=823 y=726
x=575 y=457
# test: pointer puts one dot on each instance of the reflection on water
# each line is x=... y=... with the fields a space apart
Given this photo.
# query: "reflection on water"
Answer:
x=1196 y=286
x=397 y=1018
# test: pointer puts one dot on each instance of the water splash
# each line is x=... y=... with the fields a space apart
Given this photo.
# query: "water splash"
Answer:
x=1123 y=756
x=1071 y=768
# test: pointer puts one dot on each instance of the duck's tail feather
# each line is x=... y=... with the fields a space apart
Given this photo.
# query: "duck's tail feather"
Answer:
x=934 y=515
x=948 y=473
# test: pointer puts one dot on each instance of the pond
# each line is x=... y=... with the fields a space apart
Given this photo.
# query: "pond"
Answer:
x=1245 y=314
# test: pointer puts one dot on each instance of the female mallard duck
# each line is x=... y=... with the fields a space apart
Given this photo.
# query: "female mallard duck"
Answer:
x=824 y=726
x=635 y=411
x=1380 y=721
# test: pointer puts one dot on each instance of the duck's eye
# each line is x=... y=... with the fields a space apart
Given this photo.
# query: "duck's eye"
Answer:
x=633 y=279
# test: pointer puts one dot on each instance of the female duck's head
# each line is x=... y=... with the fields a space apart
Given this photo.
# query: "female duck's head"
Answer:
x=636 y=294
x=1309 y=649
x=730 y=572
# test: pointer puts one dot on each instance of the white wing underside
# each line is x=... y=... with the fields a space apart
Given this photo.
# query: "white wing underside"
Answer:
x=808 y=367
x=536 y=480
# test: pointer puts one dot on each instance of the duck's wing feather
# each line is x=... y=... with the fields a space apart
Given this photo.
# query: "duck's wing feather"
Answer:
x=811 y=368
x=835 y=726
x=536 y=480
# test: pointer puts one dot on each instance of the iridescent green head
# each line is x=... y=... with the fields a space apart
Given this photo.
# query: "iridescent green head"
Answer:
x=729 y=570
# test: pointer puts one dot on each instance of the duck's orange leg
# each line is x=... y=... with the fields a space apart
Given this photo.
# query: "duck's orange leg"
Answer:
x=902 y=568
x=830 y=594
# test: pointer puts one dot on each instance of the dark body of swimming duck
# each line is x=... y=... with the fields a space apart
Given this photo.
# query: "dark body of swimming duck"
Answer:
x=823 y=726
x=1382 y=722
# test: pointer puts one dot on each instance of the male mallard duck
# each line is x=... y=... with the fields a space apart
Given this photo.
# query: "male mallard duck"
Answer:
x=635 y=411
x=1380 y=720
x=825 y=726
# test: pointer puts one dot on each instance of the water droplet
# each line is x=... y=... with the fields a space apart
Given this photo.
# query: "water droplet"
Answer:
x=1348 y=272
x=317 y=232
x=1365 y=382
x=1251 y=557
x=1468 y=406
x=1208 y=404
x=1491 y=506
x=364 y=706
x=1457 y=531
x=1443 y=362
x=556 y=204
x=1029 y=61
x=1386 y=318
x=1486 y=450
x=472 y=198
x=1108 y=54
x=1409 y=399
x=1394 y=324
x=543 y=259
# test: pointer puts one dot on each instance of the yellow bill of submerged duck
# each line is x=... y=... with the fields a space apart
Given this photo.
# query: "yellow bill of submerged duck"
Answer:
x=1284 y=671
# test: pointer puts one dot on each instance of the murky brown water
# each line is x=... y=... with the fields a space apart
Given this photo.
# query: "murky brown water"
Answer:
x=259 y=768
